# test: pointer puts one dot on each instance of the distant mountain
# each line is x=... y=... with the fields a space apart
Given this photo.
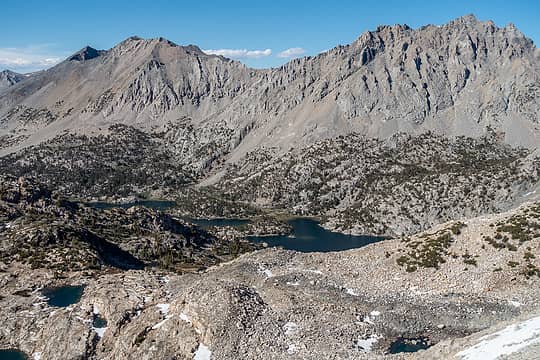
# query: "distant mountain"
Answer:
x=8 y=78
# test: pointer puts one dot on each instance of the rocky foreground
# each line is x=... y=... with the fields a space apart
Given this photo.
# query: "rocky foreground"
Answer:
x=436 y=287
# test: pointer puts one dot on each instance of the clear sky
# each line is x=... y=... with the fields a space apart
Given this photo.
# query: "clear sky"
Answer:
x=36 y=34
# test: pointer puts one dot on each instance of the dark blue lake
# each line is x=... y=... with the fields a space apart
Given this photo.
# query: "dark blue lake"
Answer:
x=408 y=345
x=309 y=236
x=12 y=355
x=63 y=296
x=99 y=322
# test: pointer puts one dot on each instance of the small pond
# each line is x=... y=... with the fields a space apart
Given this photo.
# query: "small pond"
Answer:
x=309 y=236
x=10 y=354
x=99 y=322
x=63 y=296
x=152 y=204
x=408 y=345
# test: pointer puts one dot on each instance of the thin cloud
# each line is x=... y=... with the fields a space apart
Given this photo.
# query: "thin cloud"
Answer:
x=26 y=59
x=240 y=53
x=291 y=53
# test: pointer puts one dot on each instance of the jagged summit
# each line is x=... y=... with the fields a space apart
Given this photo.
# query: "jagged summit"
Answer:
x=86 y=53
x=134 y=40
x=469 y=19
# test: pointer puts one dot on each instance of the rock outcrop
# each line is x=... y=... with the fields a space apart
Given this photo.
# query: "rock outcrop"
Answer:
x=42 y=230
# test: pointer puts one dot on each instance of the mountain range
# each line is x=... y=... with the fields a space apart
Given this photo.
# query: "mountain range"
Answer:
x=457 y=79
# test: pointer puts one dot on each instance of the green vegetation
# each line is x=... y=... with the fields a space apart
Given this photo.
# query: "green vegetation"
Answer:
x=515 y=232
x=430 y=250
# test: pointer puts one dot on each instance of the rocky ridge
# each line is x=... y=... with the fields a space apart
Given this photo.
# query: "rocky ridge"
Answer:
x=457 y=79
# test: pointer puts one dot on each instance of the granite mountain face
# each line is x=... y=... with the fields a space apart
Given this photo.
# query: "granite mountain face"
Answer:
x=456 y=79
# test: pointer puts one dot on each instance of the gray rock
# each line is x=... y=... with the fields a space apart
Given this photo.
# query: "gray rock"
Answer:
x=8 y=78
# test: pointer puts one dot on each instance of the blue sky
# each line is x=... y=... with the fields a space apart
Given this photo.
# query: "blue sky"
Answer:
x=37 y=34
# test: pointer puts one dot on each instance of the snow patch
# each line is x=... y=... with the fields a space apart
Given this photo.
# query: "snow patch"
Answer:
x=37 y=356
x=296 y=283
x=83 y=319
x=504 y=342
x=95 y=310
x=266 y=272
x=202 y=353
x=367 y=344
x=160 y=324
x=99 y=331
x=351 y=292
x=163 y=308
x=292 y=349
x=368 y=320
x=375 y=313
x=529 y=193
x=185 y=318
x=290 y=328
x=514 y=303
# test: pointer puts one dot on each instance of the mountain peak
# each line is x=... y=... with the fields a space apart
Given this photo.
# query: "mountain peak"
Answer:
x=158 y=44
x=86 y=53
x=10 y=73
x=468 y=19
x=166 y=42
x=134 y=38
x=8 y=78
